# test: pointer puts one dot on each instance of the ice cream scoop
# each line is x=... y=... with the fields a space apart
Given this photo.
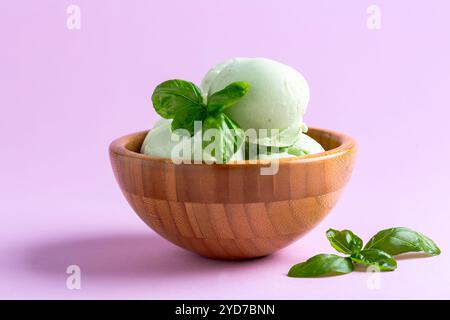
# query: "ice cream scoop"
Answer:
x=272 y=105
x=278 y=95
x=159 y=142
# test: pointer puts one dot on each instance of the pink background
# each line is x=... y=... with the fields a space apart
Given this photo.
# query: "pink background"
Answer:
x=66 y=94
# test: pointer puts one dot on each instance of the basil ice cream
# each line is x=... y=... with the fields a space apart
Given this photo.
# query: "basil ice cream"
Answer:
x=273 y=106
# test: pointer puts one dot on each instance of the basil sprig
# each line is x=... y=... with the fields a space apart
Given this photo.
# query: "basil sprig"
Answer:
x=182 y=101
x=378 y=252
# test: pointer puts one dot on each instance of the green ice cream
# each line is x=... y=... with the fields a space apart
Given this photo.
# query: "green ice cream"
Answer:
x=277 y=101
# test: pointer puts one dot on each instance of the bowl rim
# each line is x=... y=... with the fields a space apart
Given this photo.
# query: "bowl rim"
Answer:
x=118 y=147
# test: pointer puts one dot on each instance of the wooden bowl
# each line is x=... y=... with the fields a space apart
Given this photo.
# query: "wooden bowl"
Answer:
x=231 y=211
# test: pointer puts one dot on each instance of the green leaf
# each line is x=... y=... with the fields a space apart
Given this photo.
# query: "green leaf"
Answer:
x=321 y=265
x=344 y=241
x=374 y=257
x=172 y=96
x=185 y=118
x=401 y=240
x=227 y=97
x=228 y=136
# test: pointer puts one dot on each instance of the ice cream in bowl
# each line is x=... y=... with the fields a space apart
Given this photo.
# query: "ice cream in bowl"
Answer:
x=231 y=170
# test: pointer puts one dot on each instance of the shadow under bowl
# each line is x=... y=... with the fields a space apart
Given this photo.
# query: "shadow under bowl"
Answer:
x=231 y=211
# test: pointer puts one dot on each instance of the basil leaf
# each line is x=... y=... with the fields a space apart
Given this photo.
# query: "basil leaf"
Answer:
x=172 y=96
x=374 y=257
x=228 y=139
x=344 y=241
x=400 y=240
x=227 y=97
x=185 y=118
x=321 y=265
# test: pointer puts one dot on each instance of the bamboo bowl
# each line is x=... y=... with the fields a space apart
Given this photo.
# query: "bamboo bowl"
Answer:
x=231 y=211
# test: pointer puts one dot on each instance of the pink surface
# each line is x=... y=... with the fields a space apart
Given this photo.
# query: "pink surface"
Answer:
x=65 y=94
